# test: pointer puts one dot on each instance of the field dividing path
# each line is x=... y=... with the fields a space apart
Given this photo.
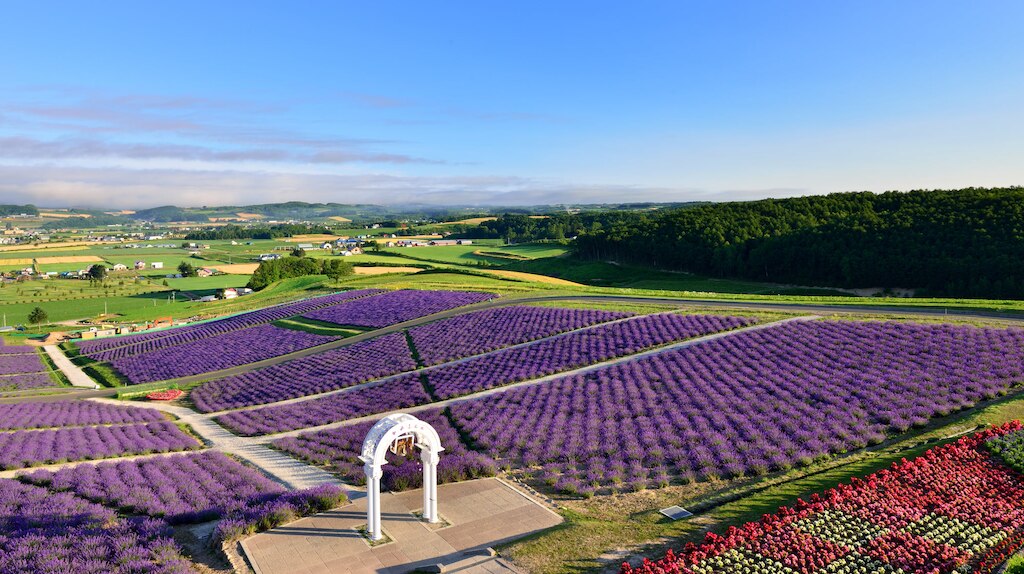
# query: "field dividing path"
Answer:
x=530 y=382
x=71 y=371
x=283 y=468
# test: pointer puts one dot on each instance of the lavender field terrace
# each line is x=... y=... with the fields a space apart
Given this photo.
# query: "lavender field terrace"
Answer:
x=396 y=307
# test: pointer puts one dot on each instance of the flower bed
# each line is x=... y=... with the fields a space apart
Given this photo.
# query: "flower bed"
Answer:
x=573 y=350
x=216 y=353
x=327 y=371
x=17 y=349
x=21 y=363
x=150 y=341
x=20 y=449
x=492 y=329
x=179 y=488
x=742 y=405
x=290 y=506
x=26 y=381
x=45 y=532
x=168 y=395
x=1009 y=448
x=71 y=413
x=952 y=507
x=396 y=307
x=340 y=449
x=401 y=392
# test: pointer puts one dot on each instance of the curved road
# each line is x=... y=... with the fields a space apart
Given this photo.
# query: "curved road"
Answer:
x=623 y=299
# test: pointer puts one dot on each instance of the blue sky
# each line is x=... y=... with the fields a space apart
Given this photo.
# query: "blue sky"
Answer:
x=129 y=104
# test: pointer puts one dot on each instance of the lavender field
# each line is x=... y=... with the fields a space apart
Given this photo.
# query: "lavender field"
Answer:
x=114 y=347
x=179 y=488
x=46 y=532
x=743 y=405
x=396 y=307
x=400 y=392
x=216 y=353
x=491 y=329
x=573 y=350
x=25 y=448
x=339 y=449
x=327 y=371
x=22 y=368
x=71 y=414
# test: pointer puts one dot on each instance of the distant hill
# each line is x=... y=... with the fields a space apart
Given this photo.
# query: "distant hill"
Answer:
x=967 y=242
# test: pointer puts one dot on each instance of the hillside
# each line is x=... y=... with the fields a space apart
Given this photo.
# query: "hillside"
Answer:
x=964 y=243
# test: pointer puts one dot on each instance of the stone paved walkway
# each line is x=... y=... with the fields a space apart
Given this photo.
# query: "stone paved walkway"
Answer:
x=287 y=470
x=70 y=370
x=478 y=514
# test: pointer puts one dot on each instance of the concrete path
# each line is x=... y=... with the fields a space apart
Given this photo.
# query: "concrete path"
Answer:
x=540 y=380
x=70 y=370
x=289 y=471
x=477 y=514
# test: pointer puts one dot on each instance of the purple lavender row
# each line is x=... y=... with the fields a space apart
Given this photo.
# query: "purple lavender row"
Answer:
x=327 y=371
x=71 y=413
x=16 y=364
x=208 y=331
x=573 y=350
x=17 y=349
x=133 y=344
x=743 y=405
x=396 y=307
x=340 y=448
x=26 y=448
x=401 y=392
x=492 y=329
x=26 y=381
x=41 y=531
x=179 y=488
x=215 y=353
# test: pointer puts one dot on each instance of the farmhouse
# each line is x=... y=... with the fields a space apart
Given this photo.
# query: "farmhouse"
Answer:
x=157 y=265
x=140 y=265
x=119 y=267
x=230 y=293
x=205 y=272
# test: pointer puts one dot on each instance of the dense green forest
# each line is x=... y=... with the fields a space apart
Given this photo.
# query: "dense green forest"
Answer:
x=966 y=242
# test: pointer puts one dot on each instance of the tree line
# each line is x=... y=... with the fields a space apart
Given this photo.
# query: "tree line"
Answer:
x=260 y=232
x=962 y=243
x=292 y=266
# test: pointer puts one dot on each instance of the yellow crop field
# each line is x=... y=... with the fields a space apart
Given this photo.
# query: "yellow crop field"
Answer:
x=309 y=238
x=340 y=218
x=63 y=215
x=50 y=260
x=470 y=221
x=238 y=268
x=533 y=277
x=61 y=245
x=249 y=215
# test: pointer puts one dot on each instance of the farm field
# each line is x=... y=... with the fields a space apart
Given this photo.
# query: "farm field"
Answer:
x=765 y=407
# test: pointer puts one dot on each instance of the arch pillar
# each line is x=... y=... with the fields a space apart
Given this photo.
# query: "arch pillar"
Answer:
x=375 y=448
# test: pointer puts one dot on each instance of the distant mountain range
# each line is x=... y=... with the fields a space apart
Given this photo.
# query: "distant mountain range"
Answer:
x=302 y=211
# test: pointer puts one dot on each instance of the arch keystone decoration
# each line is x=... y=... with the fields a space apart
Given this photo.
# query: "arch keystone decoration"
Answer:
x=375 y=447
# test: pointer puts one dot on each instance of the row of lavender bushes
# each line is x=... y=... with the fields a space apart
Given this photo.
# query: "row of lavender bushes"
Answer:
x=144 y=342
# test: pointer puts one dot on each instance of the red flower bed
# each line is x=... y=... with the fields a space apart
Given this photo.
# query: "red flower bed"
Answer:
x=953 y=505
x=168 y=395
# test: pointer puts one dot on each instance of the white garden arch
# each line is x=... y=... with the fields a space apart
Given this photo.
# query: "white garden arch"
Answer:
x=380 y=438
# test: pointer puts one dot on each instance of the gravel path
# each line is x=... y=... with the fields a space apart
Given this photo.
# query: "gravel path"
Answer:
x=70 y=370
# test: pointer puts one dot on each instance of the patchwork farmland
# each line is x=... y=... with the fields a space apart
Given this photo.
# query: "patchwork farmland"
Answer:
x=258 y=419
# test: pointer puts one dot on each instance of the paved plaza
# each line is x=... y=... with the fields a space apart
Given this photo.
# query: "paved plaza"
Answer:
x=477 y=514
